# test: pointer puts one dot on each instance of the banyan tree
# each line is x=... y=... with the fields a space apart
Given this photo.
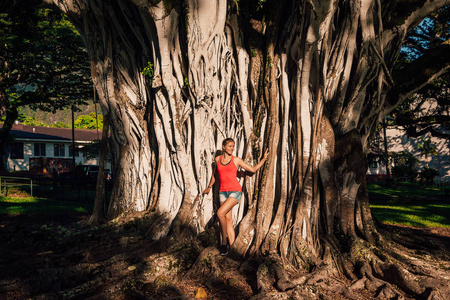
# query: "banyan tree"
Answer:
x=310 y=80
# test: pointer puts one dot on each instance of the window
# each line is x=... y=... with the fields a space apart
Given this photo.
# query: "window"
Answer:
x=59 y=149
x=39 y=149
x=16 y=151
x=77 y=151
x=373 y=162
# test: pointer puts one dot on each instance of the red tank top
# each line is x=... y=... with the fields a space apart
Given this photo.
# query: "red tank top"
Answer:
x=228 y=176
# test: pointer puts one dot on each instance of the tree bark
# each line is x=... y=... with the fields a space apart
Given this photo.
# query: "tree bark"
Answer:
x=97 y=215
x=11 y=116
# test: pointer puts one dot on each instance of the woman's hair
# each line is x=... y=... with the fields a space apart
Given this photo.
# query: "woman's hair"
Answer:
x=226 y=141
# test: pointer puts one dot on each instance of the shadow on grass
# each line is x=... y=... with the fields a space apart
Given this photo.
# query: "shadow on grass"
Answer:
x=406 y=191
x=427 y=241
x=41 y=206
x=409 y=204
x=425 y=215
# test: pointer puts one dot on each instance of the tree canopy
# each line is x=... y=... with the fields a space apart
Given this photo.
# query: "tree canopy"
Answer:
x=44 y=64
x=45 y=61
x=428 y=109
x=81 y=122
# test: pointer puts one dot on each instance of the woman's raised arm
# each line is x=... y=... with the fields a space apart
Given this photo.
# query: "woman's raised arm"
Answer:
x=250 y=168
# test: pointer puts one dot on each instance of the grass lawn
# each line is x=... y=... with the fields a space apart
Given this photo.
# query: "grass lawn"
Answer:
x=406 y=204
x=410 y=205
x=15 y=206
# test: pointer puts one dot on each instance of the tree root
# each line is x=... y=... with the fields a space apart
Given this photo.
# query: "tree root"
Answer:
x=206 y=264
x=367 y=268
x=271 y=273
x=386 y=271
x=381 y=271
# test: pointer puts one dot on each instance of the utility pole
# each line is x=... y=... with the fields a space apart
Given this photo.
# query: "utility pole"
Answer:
x=73 y=138
x=386 y=155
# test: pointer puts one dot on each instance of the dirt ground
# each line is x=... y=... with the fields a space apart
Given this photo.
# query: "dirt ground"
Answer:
x=59 y=257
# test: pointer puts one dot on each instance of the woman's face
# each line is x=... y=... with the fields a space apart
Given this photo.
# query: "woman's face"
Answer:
x=229 y=148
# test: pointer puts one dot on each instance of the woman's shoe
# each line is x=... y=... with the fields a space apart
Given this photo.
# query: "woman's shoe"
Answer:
x=223 y=250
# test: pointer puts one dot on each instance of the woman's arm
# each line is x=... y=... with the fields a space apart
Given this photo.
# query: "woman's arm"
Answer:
x=213 y=179
x=250 y=168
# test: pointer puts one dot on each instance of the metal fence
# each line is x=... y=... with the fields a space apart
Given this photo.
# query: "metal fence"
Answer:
x=51 y=187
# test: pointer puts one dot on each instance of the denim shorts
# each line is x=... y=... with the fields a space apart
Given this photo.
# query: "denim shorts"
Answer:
x=225 y=195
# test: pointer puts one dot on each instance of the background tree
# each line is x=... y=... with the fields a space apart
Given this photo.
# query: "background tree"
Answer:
x=427 y=110
x=405 y=166
x=310 y=80
x=44 y=64
x=89 y=121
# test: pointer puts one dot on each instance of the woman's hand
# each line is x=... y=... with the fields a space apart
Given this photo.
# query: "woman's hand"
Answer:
x=206 y=191
x=266 y=154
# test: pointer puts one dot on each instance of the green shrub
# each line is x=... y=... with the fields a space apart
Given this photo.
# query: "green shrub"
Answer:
x=405 y=166
x=427 y=175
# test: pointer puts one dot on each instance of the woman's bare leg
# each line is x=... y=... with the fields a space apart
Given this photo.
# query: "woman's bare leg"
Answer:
x=225 y=208
x=230 y=227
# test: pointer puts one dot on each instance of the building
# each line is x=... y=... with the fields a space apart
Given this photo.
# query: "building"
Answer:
x=398 y=141
x=47 y=149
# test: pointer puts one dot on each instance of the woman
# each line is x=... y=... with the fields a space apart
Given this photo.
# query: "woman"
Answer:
x=230 y=190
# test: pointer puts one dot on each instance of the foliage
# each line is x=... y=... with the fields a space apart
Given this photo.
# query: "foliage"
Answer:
x=82 y=122
x=44 y=65
x=427 y=110
x=63 y=116
x=60 y=124
x=46 y=62
x=427 y=148
x=405 y=166
x=92 y=150
x=89 y=121
x=148 y=71
x=24 y=120
x=431 y=32
x=427 y=175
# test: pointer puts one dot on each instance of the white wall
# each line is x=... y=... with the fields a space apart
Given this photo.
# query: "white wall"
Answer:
x=28 y=149
x=21 y=164
x=399 y=141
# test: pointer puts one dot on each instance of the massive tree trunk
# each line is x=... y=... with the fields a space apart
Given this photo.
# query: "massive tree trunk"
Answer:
x=307 y=79
x=5 y=140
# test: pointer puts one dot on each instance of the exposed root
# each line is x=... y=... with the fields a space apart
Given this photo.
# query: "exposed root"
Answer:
x=372 y=271
x=383 y=271
x=264 y=278
x=271 y=273
x=379 y=287
x=206 y=264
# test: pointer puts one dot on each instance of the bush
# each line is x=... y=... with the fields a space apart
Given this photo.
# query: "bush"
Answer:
x=405 y=166
x=427 y=175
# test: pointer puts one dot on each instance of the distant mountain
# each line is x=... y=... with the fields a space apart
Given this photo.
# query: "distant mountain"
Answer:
x=64 y=116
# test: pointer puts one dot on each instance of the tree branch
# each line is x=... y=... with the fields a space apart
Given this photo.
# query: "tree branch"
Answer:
x=419 y=73
x=426 y=120
x=410 y=13
x=412 y=131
